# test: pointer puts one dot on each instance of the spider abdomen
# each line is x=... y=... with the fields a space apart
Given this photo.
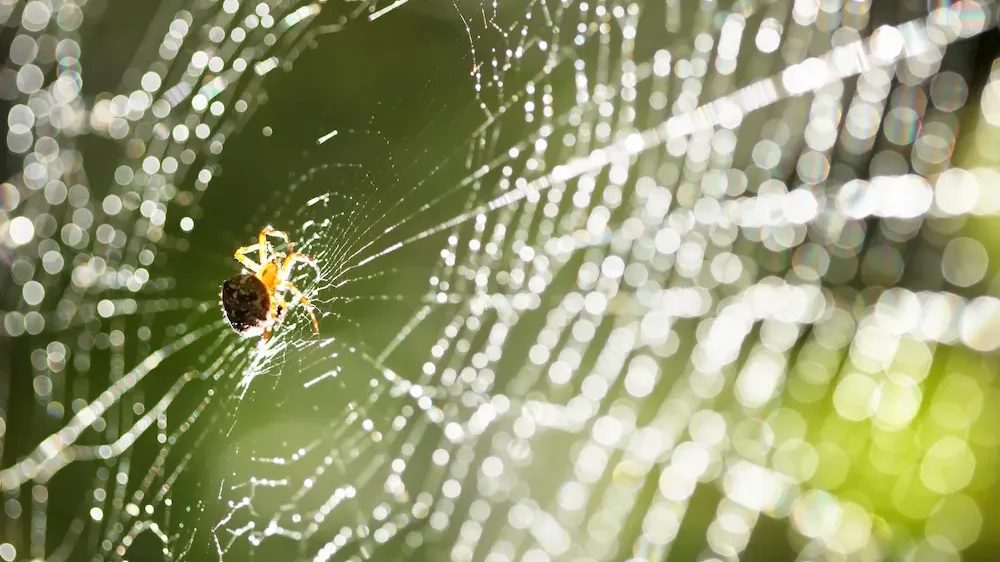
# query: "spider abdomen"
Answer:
x=245 y=302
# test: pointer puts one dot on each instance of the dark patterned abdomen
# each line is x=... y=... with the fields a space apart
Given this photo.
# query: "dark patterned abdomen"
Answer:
x=245 y=303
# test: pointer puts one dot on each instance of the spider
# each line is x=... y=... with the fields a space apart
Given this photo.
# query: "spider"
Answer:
x=252 y=300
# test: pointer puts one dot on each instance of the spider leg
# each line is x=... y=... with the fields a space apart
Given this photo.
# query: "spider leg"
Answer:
x=262 y=240
x=272 y=316
x=285 y=285
x=291 y=259
x=241 y=256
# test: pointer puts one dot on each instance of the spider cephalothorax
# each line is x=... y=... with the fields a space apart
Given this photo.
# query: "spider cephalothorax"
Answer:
x=253 y=300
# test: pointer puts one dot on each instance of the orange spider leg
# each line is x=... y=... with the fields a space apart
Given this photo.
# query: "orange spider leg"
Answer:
x=272 y=316
x=241 y=256
x=262 y=240
x=291 y=259
x=285 y=285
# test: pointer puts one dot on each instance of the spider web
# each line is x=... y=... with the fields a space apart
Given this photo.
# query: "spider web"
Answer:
x=647 y=281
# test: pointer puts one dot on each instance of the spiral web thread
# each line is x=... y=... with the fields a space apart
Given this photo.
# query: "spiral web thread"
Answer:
x=703 y=249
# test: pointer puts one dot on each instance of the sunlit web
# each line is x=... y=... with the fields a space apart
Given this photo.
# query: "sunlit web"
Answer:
x=683 y=275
